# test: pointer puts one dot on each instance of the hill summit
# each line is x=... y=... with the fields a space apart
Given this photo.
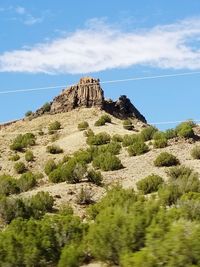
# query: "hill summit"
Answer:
x=88 y=93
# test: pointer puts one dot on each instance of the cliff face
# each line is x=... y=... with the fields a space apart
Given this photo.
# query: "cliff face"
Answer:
x=88 y=93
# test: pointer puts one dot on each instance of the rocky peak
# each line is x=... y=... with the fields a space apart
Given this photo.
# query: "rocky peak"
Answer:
x=88 y=93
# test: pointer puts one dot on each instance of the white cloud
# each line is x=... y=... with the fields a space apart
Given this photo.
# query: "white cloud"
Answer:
x=20 y=10
x=100 y=47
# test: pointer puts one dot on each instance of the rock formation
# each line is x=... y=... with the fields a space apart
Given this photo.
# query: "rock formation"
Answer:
x=88 y=93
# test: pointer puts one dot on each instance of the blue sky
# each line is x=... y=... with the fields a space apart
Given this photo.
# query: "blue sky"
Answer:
x=47 y=43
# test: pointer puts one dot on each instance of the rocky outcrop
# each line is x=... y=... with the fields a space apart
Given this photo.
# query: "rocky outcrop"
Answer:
x=88 y=93
x=123 y=109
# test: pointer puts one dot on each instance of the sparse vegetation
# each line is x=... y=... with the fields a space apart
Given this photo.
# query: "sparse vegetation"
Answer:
x=98 y=139
x=107 y=162
x=94 y=177
x=166 y=159
x=185 y=129
x=84 y=197
x=127 y=124
x=138 y=148
x=130 y=139
x=83 y=126
x=23 y=141
x=160 y=143
x=29 y=156
x=14 y=157
x=148 y=133
x=46 y=107
x=103 y=120
x=50 y=166
x=195 y=153
x=117 y=138
x=20 y=167
x=28 y=113
x=54 y=126
x=149 y=184
x=54 y=149
x=26 y=182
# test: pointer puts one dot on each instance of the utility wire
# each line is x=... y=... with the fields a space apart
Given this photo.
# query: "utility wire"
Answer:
x=102 y=82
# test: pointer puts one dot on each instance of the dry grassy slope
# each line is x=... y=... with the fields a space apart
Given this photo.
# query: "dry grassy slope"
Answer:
x=71 y=140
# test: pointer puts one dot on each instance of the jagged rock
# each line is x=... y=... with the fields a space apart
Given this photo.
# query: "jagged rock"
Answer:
x=88 y=93
x=123 y=108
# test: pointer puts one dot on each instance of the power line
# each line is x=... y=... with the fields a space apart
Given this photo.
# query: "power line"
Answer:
x=102 y=82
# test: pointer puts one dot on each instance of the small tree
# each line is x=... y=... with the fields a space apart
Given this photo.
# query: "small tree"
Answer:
x=137 y=149
x=149 y=184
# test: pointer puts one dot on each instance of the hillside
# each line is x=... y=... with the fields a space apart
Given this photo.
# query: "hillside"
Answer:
x=86 y=103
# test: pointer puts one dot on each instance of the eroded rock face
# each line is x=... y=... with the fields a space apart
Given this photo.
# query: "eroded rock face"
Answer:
x=88 y=93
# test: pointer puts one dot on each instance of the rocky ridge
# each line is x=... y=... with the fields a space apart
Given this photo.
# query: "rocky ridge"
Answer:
x=88 y=93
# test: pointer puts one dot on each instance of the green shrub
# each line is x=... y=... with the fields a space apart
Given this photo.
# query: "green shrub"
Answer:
x=159 y=135
x=46 y=107
x=29 y=156
x=107 y=162
x=83 y=126
x=20 y=167
x=94 y=177
x=113 y=148
x=130 y=139
x=73 y=171
x=71 y=256
x=137 y=149
x=148 y=133
x=103 y=120
x=195 y=153
x=55 y=176
x=83 y=156
x=84 y=196
x=160 y=143
x=26 y=182
x=54 y=126
x=28 y=113
x=98 y=139
x=166 y=160
x=170 y=134
x=185 y=129
x=8 y=185
x=14 y=157
x=179 y=171
x=117 y=138
x=127 y=124
x=50 y=166
x=54 y=149
x=149 y=184
x=23 y=141
x=88 y=133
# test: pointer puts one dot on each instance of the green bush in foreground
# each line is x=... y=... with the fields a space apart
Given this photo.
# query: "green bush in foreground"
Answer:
x=137 y=149
x=195 y=152
x=8 y=185
x=149 y=184
x=54 y=149
x=107 y=162
x=127 y=124
x=117 y=138
x=130 y=139
x=20 y=167
x=166 y=159
x=83 y=126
